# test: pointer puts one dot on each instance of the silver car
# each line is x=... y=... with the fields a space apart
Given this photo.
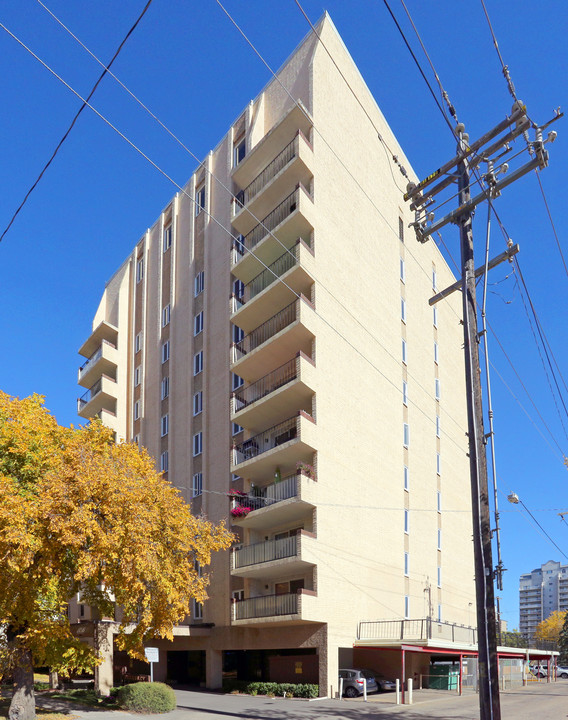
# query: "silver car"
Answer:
x=354 y=682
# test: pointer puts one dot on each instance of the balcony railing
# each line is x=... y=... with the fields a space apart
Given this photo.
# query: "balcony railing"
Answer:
x=94 y=357
x=264 y=332
x=265 y=496
x=265 y=176
x=266 y=606
x=90 y=394
x=265 y=552
x=264 y=441
x=275 y=270
x=271 y=221
x=418 y=630
x=245 y=396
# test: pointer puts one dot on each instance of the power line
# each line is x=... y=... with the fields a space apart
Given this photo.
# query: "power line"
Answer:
x=551 y=221
x=66 y=134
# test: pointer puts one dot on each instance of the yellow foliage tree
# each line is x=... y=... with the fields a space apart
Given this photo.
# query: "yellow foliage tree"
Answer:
x=80 y=512
x=550 y=628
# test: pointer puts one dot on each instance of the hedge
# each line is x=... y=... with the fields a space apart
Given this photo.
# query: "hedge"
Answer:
x=147 y=697
x=298 y=690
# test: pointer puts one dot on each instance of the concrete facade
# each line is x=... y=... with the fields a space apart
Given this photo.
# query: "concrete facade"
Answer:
x=332 y=396
x=541 y=592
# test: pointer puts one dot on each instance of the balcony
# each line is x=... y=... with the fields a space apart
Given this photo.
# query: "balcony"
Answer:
x=275 y=609
x=101 y=396
x=291 y=219
x=291 y=272
x=289 y=331
x=288 y=169
x=103 y=331
x=282 y=445
x=278 y=394
x=278 y=503
x=102 y=362
x=421 y=630
x=270 y=559
x=271 y=144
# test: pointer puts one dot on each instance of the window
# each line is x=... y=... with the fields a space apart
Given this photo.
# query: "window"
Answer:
x=235 y=477
x=406 y=606
x=402 y=270
x=197 y=610
x=401 y=229
x=164 y=462
x=434 y=280
x=238 y=595
x=198 y=362
x=437 y=389
x=197 y=485
x=138 y=376
x=165 y=424
x=197 y=444
x=136 y=440
x=238 y=334
x=439 y=613
x=236 y=381
x=199 y=199
x=138 y=343
x=165 y=387
x=405 y=478
x=166 y=315
x=403 y=310
x=439 y=577
x=439 y=539
x=198 y=283
x=239 y=150
x=435 y=316
x=166 y=351
x=167 y=238
x=406 y=564
x=438 y=463
x=405 y=392
x=139 y=269
x=405 y=435
x=404 y=351
x=198 y=323
x=238 y=288
x=197 y=403
x=436 y=353
x=237 y=428
x=439 y=501
x=437 y=426
x=406 y=521
x=137 y=409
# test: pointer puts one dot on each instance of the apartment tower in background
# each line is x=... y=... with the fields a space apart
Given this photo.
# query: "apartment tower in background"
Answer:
x=272 y=347
x=542 y=592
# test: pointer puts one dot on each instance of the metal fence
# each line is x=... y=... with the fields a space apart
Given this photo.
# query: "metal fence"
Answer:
x=416 y=629
x=266 y=606
x=265 y=552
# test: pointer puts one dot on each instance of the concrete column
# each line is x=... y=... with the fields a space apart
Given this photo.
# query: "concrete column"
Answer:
x=104 y=646
x=213 y=669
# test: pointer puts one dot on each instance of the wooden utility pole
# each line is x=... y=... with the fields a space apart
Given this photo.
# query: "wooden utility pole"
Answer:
x=488 y=666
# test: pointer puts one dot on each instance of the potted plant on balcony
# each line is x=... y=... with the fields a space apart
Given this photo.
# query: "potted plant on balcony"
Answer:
x=240 y=511
x=306 y=469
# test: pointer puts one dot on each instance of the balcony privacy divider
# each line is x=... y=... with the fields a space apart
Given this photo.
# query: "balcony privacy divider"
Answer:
x=265 y=552
x=266 y=606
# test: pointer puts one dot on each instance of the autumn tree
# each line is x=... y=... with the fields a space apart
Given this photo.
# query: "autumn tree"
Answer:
x=563 y=641
x=81 y=512
x=550 y=628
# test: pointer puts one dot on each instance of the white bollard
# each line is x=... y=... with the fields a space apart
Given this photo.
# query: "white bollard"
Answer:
x=397 y=691
x=410 y=683
x=364 y=689
x=340 y=688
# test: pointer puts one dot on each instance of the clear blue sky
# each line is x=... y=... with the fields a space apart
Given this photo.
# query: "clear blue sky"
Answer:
x=190 y=66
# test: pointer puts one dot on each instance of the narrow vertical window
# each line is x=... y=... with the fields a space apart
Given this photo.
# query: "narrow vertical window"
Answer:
x=403 y=310
x=404 y=354
x=439 y=501
x=438 y=463
x=406 y=606
x=167 y=238
x=165 y=387
x=437 y=426
x=405 y=435
x=439 y=577
x=437 y=389
x=166 y=351
x=439 y=539
x=165 y=422
x=198 y=362
x=239 y=150
x=199 y=199
x=434 y=280
x=139 y=269
x=197 y=403
x=198 y=283
x=439 y=613
x=197 y=487
x=406 y=521
x=401 y=229
x=137 y=410
x=405 y=478
x=436 y=353
x=198 y=323
x=138 y=343
x=402 y=271
x=164 y=462
x=406 y=563
x=435 y=316
x=137 y=376
x=166 y=314
x=405 y=392
x=197 y=444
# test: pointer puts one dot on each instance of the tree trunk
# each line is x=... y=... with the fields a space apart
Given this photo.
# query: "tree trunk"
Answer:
x=22 y=706
x=53 y=680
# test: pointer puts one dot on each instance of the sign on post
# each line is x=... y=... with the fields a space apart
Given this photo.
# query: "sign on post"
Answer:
x=152 y=656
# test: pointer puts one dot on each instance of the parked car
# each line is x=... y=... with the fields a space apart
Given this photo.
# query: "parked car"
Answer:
x=354 y=681
x=561 y=671
x=538 y=671
x=384 y=683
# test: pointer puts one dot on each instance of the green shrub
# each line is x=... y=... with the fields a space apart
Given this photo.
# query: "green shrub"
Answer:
x=147 y=697
x=298 y=690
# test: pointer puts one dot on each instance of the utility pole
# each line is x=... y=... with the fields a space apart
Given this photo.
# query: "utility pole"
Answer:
x=466 y=161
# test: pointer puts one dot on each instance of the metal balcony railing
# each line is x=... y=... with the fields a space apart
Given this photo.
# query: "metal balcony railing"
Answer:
x=245 y=396
x=263 y=332
x=264 y=441
x=94 y=357
x=261 y=497
x=90 y=394
x=275 y=270
x=421 y=630
x=267 y=551
x=266 y=606
x=271 y=221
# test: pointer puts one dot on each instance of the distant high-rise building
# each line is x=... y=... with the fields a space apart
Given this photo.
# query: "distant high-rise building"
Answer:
x=269 y=341
x=541 y=592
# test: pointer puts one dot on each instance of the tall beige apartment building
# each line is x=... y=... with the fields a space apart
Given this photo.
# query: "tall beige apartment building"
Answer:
x=269 y=341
